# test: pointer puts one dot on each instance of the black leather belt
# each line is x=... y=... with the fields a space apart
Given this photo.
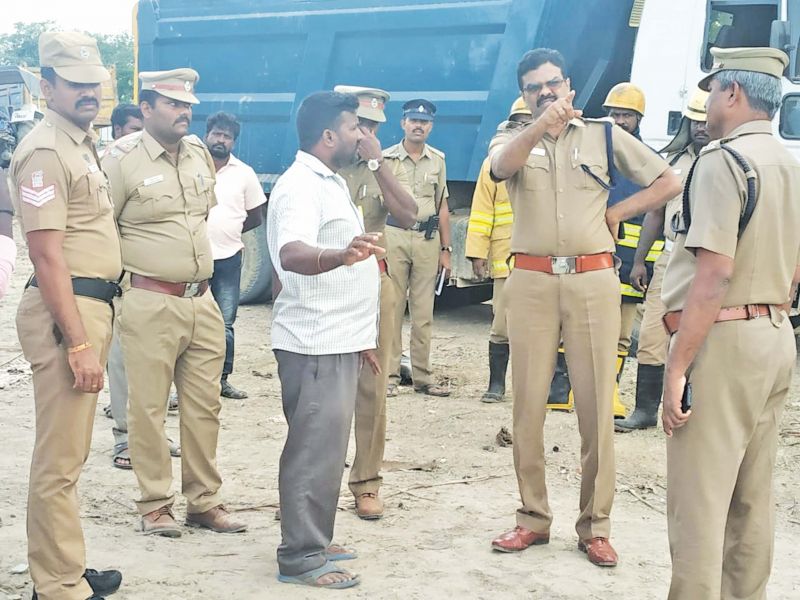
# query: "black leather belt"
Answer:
x=99 y=289
x=417 y=226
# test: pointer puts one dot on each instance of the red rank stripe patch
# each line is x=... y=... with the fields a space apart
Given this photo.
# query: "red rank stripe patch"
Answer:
x=37 y=197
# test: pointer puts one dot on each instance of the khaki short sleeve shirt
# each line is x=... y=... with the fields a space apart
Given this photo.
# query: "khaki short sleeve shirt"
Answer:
x=558 y=203
x=426 y=178
x=681 y=169
x=59 y=185
x=162 y=206
x=766 y=255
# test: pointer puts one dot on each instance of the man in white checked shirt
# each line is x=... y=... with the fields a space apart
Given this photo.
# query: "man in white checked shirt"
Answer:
x=324 y=327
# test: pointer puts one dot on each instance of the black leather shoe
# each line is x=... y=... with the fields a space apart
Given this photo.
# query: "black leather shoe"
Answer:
x=103 y=582
x=228 y=391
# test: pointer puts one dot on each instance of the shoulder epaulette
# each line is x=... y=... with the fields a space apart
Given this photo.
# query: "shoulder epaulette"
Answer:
x=436 y=151
x=392 y=151
x=194 y=140
x=125 y=144
x=710 y=147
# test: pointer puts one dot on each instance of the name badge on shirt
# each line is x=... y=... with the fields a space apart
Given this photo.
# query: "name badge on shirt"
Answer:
x=153 y=179
x=538 y=152
x=677 y=171
x=93 y=168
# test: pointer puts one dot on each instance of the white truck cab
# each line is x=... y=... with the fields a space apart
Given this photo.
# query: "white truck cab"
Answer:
x=672 y=54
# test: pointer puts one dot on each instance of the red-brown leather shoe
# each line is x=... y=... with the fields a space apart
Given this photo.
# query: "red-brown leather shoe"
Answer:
x=599 y=551
x=217 y=520
x=518 y=539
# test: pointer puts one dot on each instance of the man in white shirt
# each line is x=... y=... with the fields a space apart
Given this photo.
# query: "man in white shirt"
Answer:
x=324 y=326
x=238 y=209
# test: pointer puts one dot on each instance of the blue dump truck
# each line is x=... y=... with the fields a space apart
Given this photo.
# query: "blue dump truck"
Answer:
x=259 y=58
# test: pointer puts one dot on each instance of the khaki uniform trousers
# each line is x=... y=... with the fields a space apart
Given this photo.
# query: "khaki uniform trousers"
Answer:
x=64 y=421
x=163 y=335
x=413 y=263
x=582 y=308
x=720 y=509
x=628 y=317
x=370 y=413
x=498 y=334
x=653 y=338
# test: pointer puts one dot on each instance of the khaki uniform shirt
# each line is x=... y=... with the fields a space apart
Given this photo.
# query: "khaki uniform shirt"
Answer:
x=766 y=255
x=559 y=210
x=675 y=205
x=162 y=206
x=367 y=196
x=427 y=178
x=58 y=185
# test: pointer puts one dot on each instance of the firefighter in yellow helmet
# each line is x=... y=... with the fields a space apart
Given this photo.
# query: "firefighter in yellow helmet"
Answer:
x=489 y=247
x=653 y=339
x=625 y=104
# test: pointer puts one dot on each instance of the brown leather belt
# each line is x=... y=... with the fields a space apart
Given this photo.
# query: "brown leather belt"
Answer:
x=564 y=265
x=747 y=312
x=382 y=266
x=184 y=290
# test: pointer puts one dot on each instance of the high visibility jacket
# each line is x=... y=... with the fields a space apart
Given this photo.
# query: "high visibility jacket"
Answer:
x=490 y=221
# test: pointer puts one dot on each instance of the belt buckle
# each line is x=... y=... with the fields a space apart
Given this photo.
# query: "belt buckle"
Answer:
x=752 y=312
x=563 y=265
x=191 y=289
x=415 y=226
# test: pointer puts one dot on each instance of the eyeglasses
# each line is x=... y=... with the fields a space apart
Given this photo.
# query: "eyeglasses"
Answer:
x=535 y=88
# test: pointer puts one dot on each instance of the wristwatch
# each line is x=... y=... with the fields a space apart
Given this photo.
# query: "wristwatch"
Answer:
x=373 y=164
x=447 y=249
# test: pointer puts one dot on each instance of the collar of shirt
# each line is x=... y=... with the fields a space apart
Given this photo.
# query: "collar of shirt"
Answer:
x=232 y=162
x=319 y=167
x=155 y=149
x=759 y=126
x=77 y=134
x=404 y=153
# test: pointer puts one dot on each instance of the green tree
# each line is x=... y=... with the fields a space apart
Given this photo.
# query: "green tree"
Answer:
x=21 y=48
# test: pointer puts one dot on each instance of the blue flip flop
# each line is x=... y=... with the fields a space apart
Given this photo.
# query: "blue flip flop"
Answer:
x=342 y=554
x=310 y=578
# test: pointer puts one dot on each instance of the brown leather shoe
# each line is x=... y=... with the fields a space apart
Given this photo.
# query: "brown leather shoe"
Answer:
x=369 y=506
x=518 y=539
x=217 y=520
x=599 y=551
x=161 y=522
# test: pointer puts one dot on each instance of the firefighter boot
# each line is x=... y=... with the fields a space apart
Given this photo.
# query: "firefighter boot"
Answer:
x=649 y=386
x=619 y=408
x=498 y=364
x=560 y=397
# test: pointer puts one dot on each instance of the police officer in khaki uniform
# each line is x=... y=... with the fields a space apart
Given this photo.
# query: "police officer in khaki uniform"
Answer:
x=378 y=189
x=65 y=317
x=564 y=286
x=489 y=247
x=727 y=289
x=653 y=339
x=162 y=181
x=418 y=254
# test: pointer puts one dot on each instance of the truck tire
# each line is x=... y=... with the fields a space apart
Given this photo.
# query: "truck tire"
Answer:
x=256 y=284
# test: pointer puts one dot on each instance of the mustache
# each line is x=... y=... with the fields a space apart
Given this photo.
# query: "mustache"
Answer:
x=543 y=99
x=183 y=119
x=87 y=102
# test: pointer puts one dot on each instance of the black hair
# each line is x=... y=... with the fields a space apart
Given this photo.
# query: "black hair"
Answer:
x=533 y=59
x=48 y=74
x=321 y=111
x=123 y=112
x=148 y=96
x=224 y=121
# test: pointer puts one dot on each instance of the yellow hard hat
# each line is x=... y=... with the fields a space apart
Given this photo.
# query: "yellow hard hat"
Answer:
x=519 y=108
x=696 y=109
x=625 y=95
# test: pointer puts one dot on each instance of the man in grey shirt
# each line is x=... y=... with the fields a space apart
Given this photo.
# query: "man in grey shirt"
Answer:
x=324 y=327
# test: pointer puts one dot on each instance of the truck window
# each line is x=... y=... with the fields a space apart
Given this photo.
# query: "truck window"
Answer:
x=736 y=24
x=790 y=117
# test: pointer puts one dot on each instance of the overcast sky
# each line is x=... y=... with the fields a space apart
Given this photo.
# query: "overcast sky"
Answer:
x=100 y=16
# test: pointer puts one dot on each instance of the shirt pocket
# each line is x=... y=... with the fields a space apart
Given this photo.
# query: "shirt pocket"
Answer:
x=537 y=173
x=99 y=191
x=199 y=199
x=429 y=185
x=590 y=169
x=147 y=203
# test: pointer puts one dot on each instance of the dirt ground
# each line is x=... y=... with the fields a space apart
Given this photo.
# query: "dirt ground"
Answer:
x=449 y=489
